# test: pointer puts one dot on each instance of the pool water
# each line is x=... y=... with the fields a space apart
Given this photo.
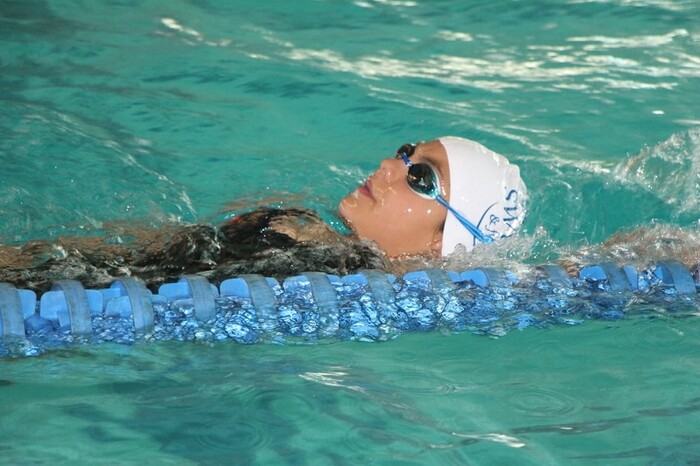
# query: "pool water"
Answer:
x=197 y=110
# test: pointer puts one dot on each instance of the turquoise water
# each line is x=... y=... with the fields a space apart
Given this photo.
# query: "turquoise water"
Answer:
x=120 y=111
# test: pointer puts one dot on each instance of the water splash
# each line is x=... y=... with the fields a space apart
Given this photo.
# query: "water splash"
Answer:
x=669 y=170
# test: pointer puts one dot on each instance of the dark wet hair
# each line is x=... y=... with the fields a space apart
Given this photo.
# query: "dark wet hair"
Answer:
x=255 y=243
x=271 y=242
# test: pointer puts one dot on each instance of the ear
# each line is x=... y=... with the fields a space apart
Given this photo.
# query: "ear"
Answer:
x=436 y=244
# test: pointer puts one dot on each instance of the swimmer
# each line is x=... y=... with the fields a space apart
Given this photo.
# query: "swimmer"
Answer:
x=434 y=196
x=424 y=201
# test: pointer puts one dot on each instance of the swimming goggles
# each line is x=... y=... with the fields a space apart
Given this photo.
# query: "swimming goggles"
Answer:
x=423 y=180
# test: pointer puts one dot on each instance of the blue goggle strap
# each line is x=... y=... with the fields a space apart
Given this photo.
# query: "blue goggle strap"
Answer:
x=467 y=224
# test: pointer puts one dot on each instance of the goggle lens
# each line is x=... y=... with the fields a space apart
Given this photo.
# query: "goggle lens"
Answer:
x=406 y=150
x=421 y=177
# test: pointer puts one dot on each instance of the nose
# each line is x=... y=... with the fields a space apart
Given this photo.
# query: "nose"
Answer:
x=392 y=170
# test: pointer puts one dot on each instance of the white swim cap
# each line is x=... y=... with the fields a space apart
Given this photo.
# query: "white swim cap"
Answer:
x=486 y=189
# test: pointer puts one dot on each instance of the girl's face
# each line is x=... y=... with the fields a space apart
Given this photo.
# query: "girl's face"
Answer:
x=387 y=211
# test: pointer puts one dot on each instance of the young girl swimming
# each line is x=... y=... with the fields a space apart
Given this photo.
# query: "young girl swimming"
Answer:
x=425 y=201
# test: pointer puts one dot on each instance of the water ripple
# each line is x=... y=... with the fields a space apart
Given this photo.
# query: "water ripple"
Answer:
x=542 y=402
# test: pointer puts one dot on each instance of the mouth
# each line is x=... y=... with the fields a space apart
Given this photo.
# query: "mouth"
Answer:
x=366 y=189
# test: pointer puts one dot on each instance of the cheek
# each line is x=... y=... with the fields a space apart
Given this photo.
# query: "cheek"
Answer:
x=415 y=213
x=408 y=203
x=428 y=214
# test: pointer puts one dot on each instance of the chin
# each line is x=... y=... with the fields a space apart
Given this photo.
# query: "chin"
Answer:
x=343 y=210
x=351 y=208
